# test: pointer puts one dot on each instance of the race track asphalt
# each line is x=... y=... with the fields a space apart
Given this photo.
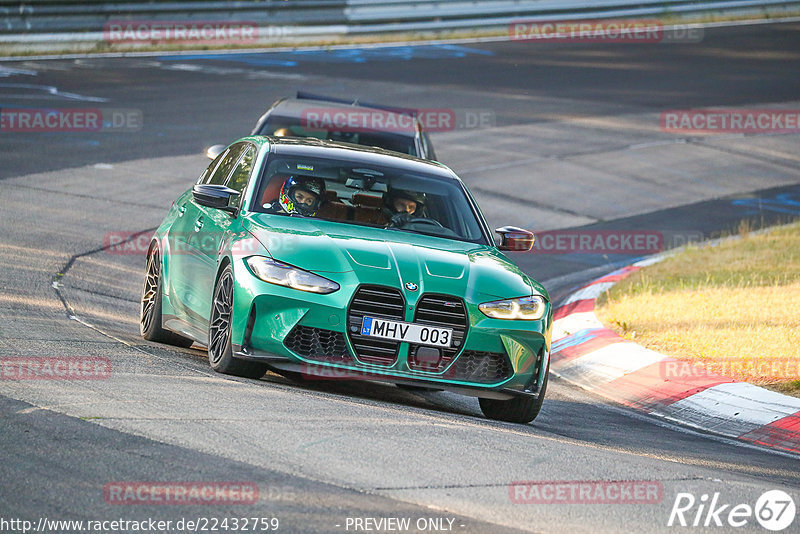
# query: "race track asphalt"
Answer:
x=574 y=142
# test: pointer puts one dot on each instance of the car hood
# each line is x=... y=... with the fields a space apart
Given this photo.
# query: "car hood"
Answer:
x=392 y=257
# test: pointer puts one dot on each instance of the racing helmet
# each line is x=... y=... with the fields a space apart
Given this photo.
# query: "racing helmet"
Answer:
x=289 y=203
x=413 y=196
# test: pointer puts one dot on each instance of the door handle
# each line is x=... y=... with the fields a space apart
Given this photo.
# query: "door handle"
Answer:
x=199 y=224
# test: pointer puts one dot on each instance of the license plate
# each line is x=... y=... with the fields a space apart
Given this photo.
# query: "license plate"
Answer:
x=408 y=332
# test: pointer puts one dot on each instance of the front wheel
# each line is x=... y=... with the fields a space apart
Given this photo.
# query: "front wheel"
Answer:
x=150 y=309
x=517 y=410
x=220 y=351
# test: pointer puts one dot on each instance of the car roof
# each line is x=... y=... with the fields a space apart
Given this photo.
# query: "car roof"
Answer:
x=312 y=147
x=295 y=107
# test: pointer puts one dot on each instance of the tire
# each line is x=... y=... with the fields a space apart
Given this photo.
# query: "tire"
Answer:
x=521 y=410
x=220 y=352
x=150 y=306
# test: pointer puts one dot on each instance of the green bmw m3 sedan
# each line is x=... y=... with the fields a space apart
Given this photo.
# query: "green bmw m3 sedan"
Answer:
x=318 y=259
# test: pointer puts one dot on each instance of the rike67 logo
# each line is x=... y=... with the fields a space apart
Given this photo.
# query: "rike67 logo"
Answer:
x=774 y=510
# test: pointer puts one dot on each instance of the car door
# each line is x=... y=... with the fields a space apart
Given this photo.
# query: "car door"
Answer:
x=189 y=237
x=217 y=229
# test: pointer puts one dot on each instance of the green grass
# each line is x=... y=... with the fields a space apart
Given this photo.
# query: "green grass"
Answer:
x=734 y=307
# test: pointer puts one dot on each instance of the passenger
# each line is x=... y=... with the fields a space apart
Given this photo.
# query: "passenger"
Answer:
x=302 y=195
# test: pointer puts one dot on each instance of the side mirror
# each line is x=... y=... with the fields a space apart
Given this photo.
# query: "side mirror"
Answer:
x=517 y=239
x=214 y=196
x=214 y=150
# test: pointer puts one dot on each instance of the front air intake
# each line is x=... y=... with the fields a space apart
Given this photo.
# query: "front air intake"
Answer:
x=442 y=311
x=318 y=344
x=483 y=367
x=374 y=301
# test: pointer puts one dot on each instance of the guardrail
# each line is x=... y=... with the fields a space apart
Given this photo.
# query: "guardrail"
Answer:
x=305 y=17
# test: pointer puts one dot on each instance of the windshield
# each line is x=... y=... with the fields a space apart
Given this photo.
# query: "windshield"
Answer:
x=368 y=195
x=292 y=127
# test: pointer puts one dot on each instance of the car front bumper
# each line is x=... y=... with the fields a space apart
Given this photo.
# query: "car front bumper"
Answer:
x=307 y=333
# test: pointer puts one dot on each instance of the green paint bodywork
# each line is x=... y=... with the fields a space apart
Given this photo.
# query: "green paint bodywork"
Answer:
x=349 y=255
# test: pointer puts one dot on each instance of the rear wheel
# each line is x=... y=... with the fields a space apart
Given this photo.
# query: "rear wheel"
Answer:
x=220 y=351
x=150 y=308
x=517 y=410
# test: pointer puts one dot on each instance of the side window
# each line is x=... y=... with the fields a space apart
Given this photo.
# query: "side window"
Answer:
x=226 y=164
x=241 y=174
x=212 y=167
x=427 y=147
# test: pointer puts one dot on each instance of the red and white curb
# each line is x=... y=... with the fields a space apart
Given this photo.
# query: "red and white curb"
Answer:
x=586 y=353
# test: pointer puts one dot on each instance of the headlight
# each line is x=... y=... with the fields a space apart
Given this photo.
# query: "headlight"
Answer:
x=523 y=308
x=283 y=274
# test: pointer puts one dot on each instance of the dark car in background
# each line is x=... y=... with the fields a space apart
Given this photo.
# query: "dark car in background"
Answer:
x=347 y=121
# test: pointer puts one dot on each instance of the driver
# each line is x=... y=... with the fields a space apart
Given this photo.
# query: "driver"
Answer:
x=403 y=202
x=299 y=194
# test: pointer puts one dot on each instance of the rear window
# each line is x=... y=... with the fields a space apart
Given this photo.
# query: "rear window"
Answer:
x=294 y=127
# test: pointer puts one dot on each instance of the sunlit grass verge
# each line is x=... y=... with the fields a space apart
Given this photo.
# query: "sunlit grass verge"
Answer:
x=734 y=307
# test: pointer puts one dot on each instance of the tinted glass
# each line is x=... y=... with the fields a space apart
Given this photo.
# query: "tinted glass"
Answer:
x=366 y=195
x=212 y=167
x=241 y=174
x=226 y=164
x=293 y=127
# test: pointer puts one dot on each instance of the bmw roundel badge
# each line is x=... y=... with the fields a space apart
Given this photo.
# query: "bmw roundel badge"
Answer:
x=411 y=286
